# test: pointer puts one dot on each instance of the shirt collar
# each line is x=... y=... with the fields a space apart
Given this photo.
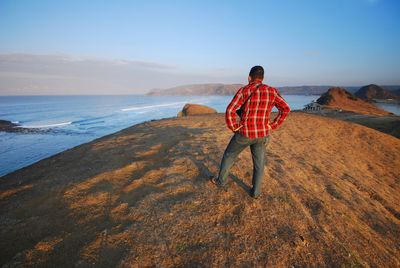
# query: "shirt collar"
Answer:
x=256 y=81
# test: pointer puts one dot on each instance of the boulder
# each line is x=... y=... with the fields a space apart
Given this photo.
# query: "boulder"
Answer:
x=194 y=109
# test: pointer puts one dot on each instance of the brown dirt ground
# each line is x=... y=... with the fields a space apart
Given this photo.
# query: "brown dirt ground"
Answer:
x=141 y=197
x=389 y=124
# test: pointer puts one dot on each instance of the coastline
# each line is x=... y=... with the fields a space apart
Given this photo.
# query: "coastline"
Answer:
x=389 y=124
x=28 y=131
x=131 y=197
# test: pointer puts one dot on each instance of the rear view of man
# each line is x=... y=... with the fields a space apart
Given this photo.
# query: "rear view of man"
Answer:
x=255 y=102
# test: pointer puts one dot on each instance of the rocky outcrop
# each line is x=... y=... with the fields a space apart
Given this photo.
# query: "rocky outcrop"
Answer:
x=335 y=94
x=340 y=98
x=7 y=125
x=195 y=109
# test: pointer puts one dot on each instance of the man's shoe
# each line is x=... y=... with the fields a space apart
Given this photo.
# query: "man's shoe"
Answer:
x=253 y=195
x=214 y=180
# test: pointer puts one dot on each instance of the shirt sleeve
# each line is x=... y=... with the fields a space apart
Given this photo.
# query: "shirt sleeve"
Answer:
x=230 y=114
x=283 y=110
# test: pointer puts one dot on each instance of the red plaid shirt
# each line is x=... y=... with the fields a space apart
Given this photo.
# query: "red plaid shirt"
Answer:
x=254 y=121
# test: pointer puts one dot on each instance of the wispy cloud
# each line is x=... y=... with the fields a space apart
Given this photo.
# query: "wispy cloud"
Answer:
x=64 y=74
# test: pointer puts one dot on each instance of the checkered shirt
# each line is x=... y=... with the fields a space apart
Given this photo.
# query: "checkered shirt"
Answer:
x=254 y=121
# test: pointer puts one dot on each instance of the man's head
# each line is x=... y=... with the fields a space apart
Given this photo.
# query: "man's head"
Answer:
x=256 y=73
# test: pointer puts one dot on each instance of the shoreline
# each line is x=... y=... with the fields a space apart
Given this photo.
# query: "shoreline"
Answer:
x=388 y=124
x=49 y=130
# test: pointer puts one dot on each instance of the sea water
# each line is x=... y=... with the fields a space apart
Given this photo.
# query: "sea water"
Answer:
x=68 y=121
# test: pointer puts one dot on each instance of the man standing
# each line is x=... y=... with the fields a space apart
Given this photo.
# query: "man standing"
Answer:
x=255 y=102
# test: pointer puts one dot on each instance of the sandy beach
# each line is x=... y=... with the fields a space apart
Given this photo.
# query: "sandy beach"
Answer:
x=141 y=197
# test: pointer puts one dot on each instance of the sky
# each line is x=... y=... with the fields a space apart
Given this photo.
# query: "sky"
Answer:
x=111 y=47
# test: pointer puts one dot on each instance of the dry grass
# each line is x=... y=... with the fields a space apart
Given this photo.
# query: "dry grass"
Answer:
x=141 y=198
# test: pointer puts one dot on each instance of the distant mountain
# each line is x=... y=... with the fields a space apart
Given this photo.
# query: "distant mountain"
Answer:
x=372 y=91
x=309 y=90
x=199 y=89
x=303 y=90
x=231 y=89
x=340 y=98
x=394 y=89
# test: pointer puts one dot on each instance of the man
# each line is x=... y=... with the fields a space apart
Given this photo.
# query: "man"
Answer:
x=255 y=101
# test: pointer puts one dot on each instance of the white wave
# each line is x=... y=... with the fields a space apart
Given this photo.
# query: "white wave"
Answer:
x=47 y=126
x=152 y=106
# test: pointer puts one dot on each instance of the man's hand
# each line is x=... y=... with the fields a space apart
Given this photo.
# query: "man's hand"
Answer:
x=272 y=126
x=237 y=128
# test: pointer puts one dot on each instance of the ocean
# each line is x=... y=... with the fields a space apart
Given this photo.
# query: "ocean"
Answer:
x=68 y=121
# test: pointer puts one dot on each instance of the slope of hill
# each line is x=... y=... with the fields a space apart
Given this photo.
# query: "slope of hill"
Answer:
x=339 y=98
x=141 y=198
x=372 y=91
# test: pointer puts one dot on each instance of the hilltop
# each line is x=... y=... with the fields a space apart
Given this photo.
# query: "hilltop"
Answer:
x=141 y=197
x=372 y=91
x=340 y=98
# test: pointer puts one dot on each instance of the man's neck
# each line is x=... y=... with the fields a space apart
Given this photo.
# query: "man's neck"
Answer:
x=255 y=81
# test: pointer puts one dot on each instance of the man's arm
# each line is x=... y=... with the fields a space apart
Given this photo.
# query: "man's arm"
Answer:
x=283 y=110
x=230 y=114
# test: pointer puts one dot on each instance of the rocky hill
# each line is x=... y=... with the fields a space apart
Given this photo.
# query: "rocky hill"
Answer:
x=340 y=98
x=141 y=198
x=372 y=91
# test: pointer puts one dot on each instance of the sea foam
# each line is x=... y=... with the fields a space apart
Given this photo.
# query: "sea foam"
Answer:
x=47 y=126
x=151 y=106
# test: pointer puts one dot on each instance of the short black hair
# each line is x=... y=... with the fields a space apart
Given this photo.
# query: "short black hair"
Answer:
x=257 y=72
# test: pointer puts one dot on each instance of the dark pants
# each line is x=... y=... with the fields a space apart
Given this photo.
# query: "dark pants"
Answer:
x=237 y=144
